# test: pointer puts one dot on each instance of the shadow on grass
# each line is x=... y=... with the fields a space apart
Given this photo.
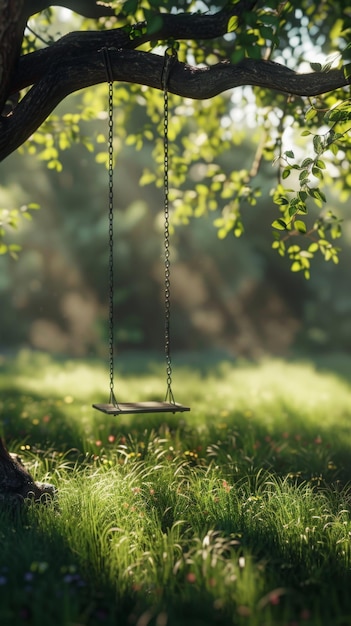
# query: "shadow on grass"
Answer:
x=253 y=428
x=42 y=579
x=33 y=419
x=286 y=417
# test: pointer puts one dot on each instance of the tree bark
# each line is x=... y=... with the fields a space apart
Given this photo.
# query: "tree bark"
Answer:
x=87 y=8
x=75 y=62
x=16 y=484
x=12 y=24
x=73 y=72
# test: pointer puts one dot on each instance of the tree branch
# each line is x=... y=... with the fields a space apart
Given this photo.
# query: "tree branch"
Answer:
x=75 y=62
x=71 y=73
x=87 y=8
x=176 y=26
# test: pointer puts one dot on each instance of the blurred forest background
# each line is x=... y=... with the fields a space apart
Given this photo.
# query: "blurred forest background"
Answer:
x=232 y=295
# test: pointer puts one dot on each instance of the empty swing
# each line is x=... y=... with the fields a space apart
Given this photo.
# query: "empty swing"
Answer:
x=169 y=405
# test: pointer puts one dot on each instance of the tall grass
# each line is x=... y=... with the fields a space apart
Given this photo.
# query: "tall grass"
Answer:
x=236 y=514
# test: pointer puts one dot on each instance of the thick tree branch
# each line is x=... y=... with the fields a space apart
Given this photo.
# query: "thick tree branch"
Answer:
x=75 y=62
x=79 y=72
x=176 y=26
x=87 y=8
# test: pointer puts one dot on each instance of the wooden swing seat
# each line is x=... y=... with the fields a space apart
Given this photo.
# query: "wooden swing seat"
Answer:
x=169 y=405
x=141 y=407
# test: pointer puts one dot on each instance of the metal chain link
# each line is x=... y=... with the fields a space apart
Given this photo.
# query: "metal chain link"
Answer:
x=109 y=78
x=170 y=56
x=110 y=242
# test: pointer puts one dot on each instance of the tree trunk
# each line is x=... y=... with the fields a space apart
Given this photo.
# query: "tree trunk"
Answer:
x=12 y=25
x=16 y=484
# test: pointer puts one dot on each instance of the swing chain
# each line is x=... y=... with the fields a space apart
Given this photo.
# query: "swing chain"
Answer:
x=109 y=76
x=170 y=57
x=111 y=237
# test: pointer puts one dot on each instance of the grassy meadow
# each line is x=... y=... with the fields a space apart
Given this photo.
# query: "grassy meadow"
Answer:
x=235 y=514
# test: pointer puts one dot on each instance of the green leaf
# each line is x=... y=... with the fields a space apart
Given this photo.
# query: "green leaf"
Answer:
x=316 y=67
x=316 y=193
x=147 y=178
x=303 y=174
x=293 y=249
x=317 y=144
x=310 y=113
x=233 y=24
x=347 y=71
x=306 y=162
x=317 y=172
x=300 y=226
x=279 y=224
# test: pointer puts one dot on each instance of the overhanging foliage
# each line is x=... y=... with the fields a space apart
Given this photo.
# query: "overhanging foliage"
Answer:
x=220 y=47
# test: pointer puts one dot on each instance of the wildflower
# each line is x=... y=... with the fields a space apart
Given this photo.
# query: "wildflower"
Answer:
x=318 y=440
x=274 y=599
x=225 y=486
x=136 y=490
x=191 y=454
x=68 y=578
x=244 y=611
x=111 y=438
x=191 y=577
x=28 y=577
x=98 y=443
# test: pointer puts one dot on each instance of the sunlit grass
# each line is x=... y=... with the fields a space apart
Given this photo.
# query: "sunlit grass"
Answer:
x=236 y=513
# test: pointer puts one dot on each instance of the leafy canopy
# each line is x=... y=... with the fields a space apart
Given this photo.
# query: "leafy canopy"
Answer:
x=305 y=138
